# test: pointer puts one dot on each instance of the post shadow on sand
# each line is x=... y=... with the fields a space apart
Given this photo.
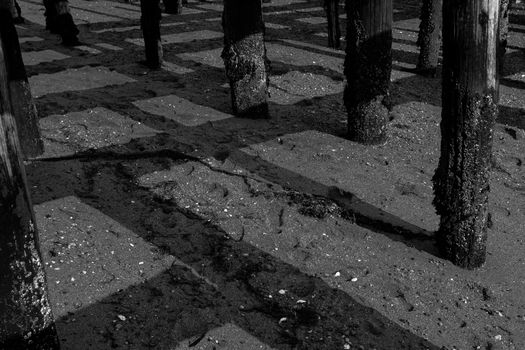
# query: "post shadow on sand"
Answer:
x=176 y=305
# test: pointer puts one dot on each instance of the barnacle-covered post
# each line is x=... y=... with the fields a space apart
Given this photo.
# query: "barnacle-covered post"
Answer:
x=469 y=99
x=244 y=57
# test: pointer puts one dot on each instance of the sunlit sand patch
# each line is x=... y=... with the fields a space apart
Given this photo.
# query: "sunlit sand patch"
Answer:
x=182 y=37
x=280 y=12
x=33 y=12
x=89 y=256
x=91 y=9
x=189 y=11
x=176 y=69
x=32 y=58
x=86 y=16
x=516 y=27
x=294 y=86
x=298 y=57
x=130 y=6
x=322 y=34
x=519 y=77
x=407 y=71
x=512 y=96
x=88 y=49
x=405 y=47
x=76 y=80
x=90 y=129
x=313 y=46
x=276 y=52
x=282 y=2
x=312 y=20
x=213 y=7
x=108 y=46
x=229 y=337
x=275 y=26
x=181 y=110
x=334 y=161
x=82 y=11
x=401 y=34
x=116 y=29
x=26 y=39
x=216 y=197
x=311 y=9
x=171 y=24
x=411 y=24
x=208 y=57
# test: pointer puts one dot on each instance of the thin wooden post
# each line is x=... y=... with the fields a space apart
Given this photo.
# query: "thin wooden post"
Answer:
x=334 y=30
x=368 y=66
x=150 y=23
x=26 y=320
x=470 y=85
x=244 y=57
x=24 y=109
x=429 y=38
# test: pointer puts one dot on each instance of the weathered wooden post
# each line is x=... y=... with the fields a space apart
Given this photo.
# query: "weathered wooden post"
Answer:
x=150 y=23
x=368 y=66
x=332 y=16
x=244 y=57
x=429 y=38
x=470 y=85
x=23 y=106
x=26 y=320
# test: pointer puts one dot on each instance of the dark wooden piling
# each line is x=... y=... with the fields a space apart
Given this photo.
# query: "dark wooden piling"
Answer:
x=368 y=67
x=150 y=23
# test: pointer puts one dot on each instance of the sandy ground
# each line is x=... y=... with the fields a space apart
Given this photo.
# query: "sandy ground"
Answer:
x=166 y=223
